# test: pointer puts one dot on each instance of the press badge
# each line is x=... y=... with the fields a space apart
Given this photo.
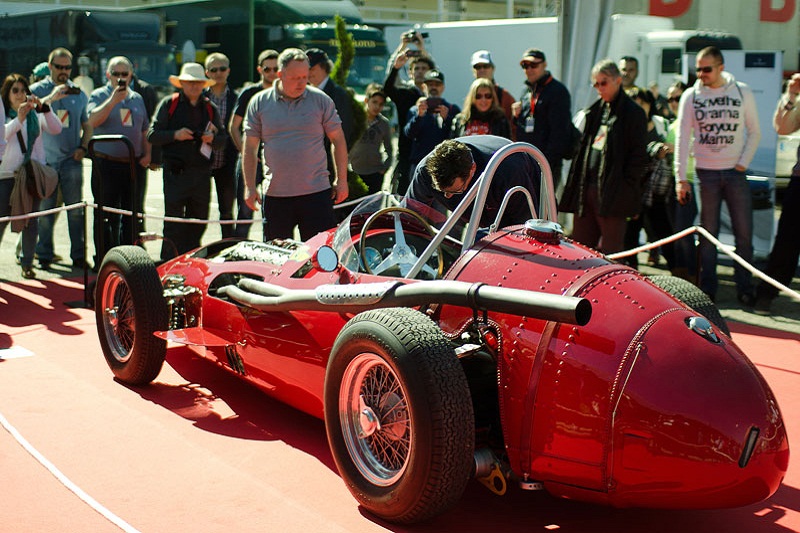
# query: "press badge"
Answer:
x=600 y=139
x=126 y=117
x=529 y=124
x=63 y=116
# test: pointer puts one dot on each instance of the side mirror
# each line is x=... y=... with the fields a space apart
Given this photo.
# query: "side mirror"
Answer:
x=325 y=259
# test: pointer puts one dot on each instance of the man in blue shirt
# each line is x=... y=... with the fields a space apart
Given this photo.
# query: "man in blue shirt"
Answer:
x=115 y=109
x=65 y=153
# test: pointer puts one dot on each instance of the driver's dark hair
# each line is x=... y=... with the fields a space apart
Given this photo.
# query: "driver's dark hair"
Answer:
x=450 y=160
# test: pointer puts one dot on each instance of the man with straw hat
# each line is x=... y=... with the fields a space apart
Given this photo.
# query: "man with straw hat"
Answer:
x=187 y=127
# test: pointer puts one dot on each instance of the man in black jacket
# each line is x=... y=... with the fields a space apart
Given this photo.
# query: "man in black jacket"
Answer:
x=187 y=127
x=405 y=96
x=542 y=116
x=606 y=180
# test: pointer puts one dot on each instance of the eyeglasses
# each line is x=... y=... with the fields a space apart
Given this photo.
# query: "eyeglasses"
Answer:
x=674 y=99
x=269 y=69
x=530 y=64
x=120 y=74
x=705 y=70
x=461 y=190
x=482 y=66
x=215 y=69
x=61 y=67
x=600 y=83
x=17 y=90
x=483 y=96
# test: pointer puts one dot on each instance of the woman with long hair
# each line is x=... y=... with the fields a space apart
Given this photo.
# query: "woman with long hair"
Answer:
x=26 y=117
x=482 y=113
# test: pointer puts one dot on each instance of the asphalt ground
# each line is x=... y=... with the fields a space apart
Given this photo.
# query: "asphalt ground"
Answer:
x=785 y=311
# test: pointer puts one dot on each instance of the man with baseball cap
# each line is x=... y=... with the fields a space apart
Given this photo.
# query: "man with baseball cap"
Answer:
x=187 y=127
x=429 y=121
x=542 y=115
x=483 y=67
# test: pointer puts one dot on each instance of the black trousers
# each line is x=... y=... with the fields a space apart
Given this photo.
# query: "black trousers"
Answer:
x=186 y=195
x=786 y=251
x=312 y=213
x=225 y=183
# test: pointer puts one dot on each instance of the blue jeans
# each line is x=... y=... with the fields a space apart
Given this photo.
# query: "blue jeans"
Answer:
x=732 y=187
x=29 y=233
x=70 y=181
x=685 y=251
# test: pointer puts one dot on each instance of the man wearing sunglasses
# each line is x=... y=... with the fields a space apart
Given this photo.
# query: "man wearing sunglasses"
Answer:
x=542 y=116
x=267 y=68
x=65 y=152
x=721 y=114
x=115 y=109
x=453 y=167
x=223 y=161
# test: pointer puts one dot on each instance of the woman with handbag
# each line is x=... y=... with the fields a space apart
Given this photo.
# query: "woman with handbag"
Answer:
x=26 y=117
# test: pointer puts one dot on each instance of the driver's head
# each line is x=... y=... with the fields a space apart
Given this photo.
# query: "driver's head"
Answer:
x=449 y=162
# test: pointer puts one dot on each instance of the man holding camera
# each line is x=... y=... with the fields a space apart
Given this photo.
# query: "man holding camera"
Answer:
x=429 y=121
x=405 y=96
x=115 y=109
x=187 y=127
x=65 y=152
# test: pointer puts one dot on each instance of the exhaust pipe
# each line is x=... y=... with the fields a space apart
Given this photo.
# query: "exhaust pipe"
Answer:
x=362 y=297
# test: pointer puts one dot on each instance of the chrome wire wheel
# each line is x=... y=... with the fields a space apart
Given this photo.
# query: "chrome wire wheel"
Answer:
x=119 y=319
x=375 y=419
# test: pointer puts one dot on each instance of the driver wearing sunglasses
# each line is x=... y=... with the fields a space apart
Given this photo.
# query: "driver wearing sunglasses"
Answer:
x=449 y=171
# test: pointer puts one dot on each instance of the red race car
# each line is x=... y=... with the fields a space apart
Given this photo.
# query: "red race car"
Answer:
x=434 y=356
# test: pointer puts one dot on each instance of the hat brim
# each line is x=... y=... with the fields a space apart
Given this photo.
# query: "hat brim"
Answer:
x=176 y=81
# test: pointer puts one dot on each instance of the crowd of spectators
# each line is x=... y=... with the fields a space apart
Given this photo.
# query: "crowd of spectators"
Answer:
x=639 y=159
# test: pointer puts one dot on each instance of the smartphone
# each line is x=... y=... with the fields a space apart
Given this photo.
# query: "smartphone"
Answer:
x=121 y=83
x=433 y=102
x=413 y=53
x=73 y=90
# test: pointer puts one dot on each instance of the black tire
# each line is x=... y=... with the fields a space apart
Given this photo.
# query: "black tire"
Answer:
x=394 y=366
x=129 y=307
x=693 y=297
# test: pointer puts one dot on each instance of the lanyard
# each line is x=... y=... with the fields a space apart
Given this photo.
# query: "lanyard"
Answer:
x=536 y=91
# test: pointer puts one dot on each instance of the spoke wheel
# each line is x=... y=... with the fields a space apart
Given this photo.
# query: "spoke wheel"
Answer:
x=398 y=414
x=129 y=308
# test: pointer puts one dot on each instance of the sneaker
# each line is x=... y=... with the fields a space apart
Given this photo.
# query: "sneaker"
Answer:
x=748 y=299
x=762 y=306
x=28 y=272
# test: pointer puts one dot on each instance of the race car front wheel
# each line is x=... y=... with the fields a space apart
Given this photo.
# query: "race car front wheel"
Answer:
x=130 y=306
x=693 y=297
x=399 y=415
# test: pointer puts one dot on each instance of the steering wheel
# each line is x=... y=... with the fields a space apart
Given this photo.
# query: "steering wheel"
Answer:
x=402 y=255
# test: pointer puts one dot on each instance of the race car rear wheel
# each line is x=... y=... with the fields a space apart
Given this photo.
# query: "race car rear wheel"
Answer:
x=130 y=306
x=399 y=415
x=693 y=297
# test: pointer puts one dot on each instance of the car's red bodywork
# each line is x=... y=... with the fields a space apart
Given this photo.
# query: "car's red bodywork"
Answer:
x=638 y=407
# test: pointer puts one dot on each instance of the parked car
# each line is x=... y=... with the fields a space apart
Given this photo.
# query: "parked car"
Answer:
x=434 y=356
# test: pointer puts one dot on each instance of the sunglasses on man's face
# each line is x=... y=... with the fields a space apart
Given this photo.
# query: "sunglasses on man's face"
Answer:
x=269 y=69
x=120 y=74
x=530 y=64
x=704 y=70
x=600 y=83
x=674 y=99
x=215 y=69
x=62 y=67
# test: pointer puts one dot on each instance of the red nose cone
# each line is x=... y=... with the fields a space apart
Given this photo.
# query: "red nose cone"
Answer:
x=696 y=425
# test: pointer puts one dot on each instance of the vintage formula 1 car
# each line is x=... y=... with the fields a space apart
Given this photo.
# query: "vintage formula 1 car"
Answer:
x=434 y=356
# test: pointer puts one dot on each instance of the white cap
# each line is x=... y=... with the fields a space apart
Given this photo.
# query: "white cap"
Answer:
x=481 y=57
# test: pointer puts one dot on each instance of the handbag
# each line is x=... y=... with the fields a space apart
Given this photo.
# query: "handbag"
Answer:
x=40 y=180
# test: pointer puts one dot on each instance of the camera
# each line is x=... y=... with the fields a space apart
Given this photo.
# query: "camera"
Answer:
x=71 y=89
x=121 y=83
x=433 y=102
x=197 y=135
x=410 y=35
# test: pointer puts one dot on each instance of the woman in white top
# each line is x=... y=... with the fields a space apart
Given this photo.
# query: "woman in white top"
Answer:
x=26 y=116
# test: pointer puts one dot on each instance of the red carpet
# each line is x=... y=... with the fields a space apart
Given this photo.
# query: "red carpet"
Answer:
x=199 y=450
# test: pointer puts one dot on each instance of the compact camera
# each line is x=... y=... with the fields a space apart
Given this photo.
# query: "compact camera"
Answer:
x=73 y=90
x=410 y=35
x=121 y=83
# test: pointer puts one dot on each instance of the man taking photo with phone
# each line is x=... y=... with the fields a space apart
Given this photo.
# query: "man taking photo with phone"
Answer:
x=115 y=109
